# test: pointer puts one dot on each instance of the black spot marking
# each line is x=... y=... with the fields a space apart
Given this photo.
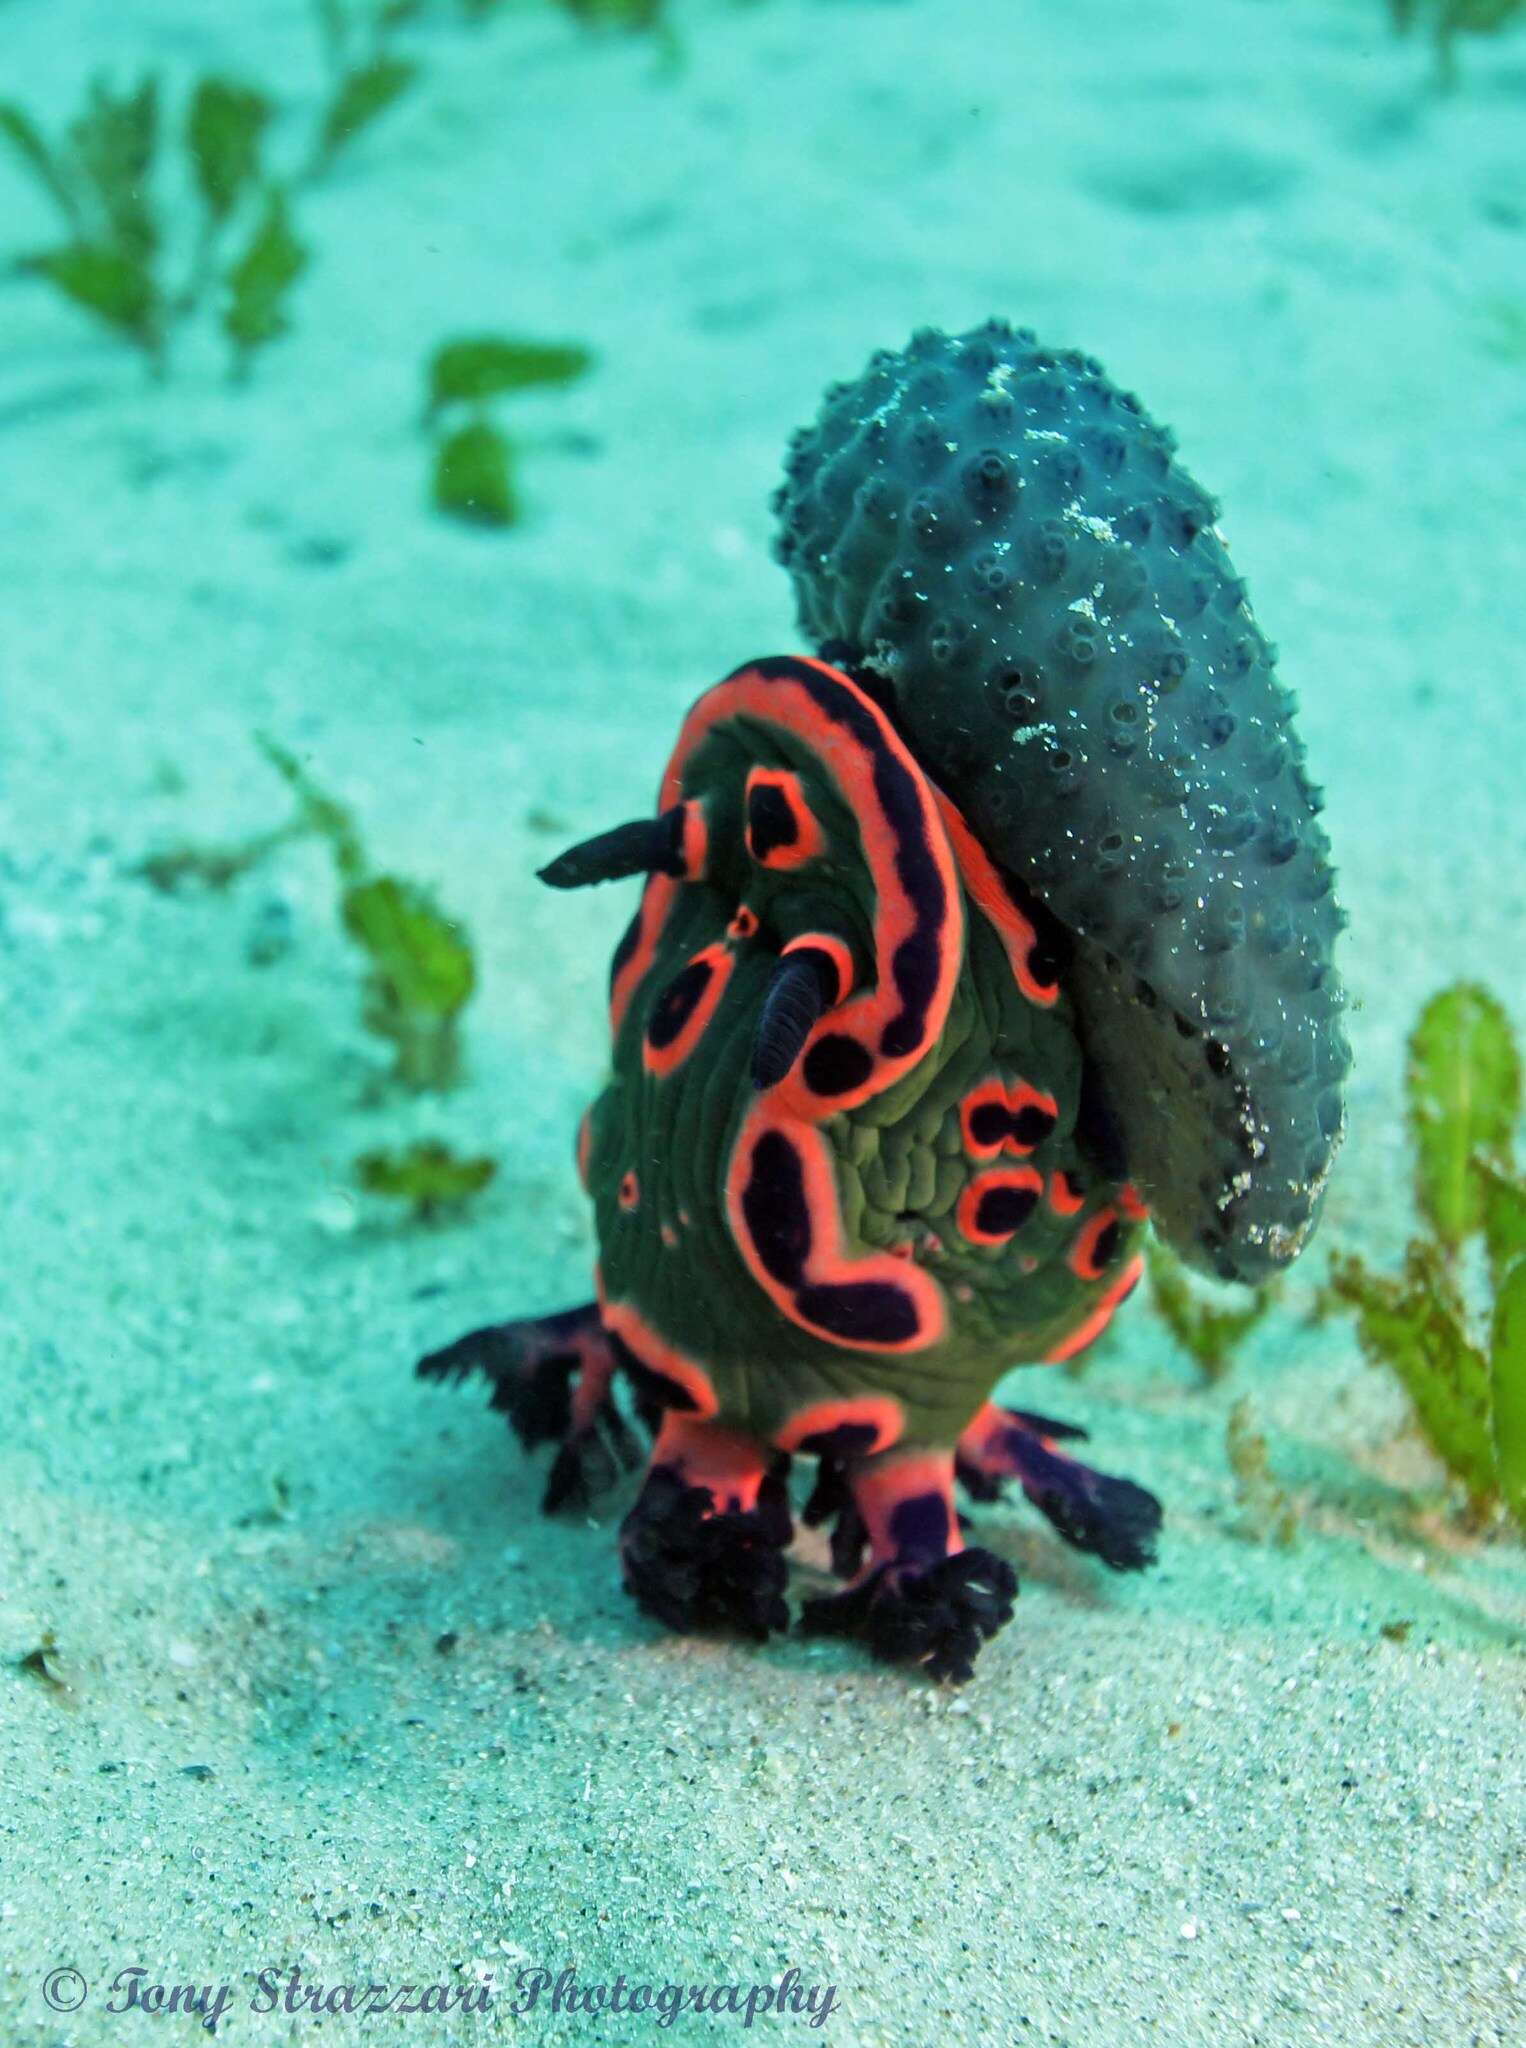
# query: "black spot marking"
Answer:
x=775 y=1209
x=778 y=1221
x=1105 y=1250
x=847 y=1440
x=1002 y=1211
x=1032 y=1124
x=837 y=1064
x=860 y=1311
x=988 y=1123
x=914 y=970
x=677 y=1003
x=771 y=820
x=919 y=1527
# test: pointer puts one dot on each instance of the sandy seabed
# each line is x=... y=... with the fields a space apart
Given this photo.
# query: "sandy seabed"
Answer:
x=337 y=1700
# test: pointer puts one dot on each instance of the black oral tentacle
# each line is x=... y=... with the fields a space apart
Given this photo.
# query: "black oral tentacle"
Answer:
x=643 y=846
x=803 y=988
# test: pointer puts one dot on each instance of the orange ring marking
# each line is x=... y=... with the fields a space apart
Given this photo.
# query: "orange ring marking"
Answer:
x=783 y=703
x=838 y=951
x=655 y=1352
x=984 y=883
x=1091 y=1328
x=807 y=842
x=1027 y=1178
x=1082 y=1257
x=828 y=1263
x=662 y=1059
x=881 y=1412
x=1014 y=1100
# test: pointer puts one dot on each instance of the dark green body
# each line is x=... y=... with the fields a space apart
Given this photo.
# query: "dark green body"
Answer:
x=901 y=1168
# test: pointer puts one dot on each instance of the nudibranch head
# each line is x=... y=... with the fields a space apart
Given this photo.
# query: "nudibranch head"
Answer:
x=796 y=839
x=998 y=541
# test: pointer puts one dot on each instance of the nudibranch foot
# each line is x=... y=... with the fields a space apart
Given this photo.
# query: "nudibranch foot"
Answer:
x=703 y=1547
x=1111 y=1519
x=551 y=1377
x=936 y=1615
x=923 y=1598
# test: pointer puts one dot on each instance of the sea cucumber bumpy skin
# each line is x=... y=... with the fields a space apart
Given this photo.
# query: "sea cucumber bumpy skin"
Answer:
x=1003 y=538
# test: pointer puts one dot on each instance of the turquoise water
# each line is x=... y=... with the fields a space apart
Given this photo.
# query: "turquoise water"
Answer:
x=295 y=1677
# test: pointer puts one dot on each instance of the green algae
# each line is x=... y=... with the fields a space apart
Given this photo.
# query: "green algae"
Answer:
x=225 y=124
x=1206 y=1328
x=473 y=476
x=367 y=76
x=1464 y=1090
x=105 y=177
x=420 y=975
x=258 y=284
x=420 y=970
x=1415 y=1325
x=215 y=868
x=427 y=1175
x=474 y=459
x=627 y=14
x=482 y=366
x=360 y=97
x=1461 y=1360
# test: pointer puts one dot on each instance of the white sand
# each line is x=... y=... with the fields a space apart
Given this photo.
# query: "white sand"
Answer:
x=1213 y=1806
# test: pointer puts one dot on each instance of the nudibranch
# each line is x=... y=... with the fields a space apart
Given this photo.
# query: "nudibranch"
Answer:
x=917 y=1022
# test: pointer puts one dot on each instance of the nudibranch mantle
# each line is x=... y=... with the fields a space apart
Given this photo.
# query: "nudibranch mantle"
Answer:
x=842 y=1180
x=859 y=1196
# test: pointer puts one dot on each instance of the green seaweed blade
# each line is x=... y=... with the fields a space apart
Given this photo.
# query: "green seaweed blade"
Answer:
x=1504 y=1202
x=107 y=282
x=1508 y=1364
x=473 y=476
x=421 y=975
x=1464 y=1085
x=1415 y=1326
x=27 y=139
x=1210 y=1335
x=428 y=1175
x=114 y=143
x=485 y=365
x=223 y=130
x=416 y=949
x=362 y=97
x=255 y=314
